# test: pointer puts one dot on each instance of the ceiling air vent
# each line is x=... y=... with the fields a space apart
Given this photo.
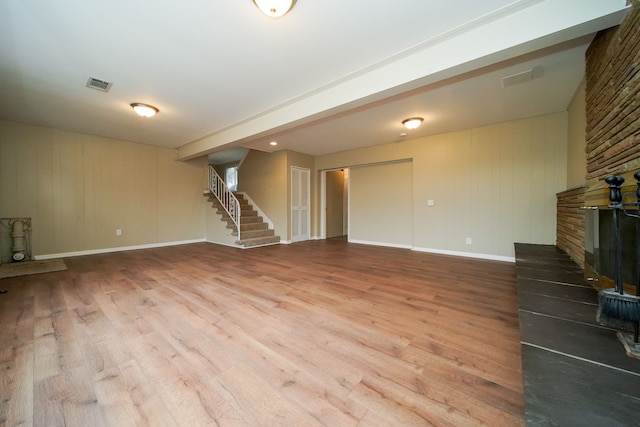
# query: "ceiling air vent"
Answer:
x=98 y=84
x=525 y=76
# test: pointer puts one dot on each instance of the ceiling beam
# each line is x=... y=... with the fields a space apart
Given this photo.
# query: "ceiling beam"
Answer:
x=523 y=27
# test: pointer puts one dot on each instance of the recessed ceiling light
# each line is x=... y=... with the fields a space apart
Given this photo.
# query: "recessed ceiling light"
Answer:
x=273 y=143
x=144 y=110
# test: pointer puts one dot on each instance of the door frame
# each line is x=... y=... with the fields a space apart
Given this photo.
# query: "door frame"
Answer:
x=323 y=201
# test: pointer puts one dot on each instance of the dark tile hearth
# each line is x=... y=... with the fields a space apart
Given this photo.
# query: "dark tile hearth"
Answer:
x=565 y=291
x=564 y=391
x=576 y=372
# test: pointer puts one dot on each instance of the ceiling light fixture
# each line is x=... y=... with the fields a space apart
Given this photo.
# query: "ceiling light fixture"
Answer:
x=275 y=8
x=144 y=110
x=413 y=122
x=273 y=143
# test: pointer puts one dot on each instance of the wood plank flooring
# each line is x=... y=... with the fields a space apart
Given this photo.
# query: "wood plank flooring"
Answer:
x=309 y=334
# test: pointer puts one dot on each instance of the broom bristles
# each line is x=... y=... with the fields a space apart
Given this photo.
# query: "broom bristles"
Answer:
x=619 y=306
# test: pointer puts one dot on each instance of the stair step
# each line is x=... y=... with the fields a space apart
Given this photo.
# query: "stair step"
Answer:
x=250 y=226
x=254 y=233
x=253 y=226
x=251 y=219
x=259 y=241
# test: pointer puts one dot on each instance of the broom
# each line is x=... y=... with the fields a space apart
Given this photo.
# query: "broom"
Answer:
x=614 y=302
x=636 y=325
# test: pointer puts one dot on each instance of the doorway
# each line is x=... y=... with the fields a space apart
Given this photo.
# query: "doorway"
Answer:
x=336 y=204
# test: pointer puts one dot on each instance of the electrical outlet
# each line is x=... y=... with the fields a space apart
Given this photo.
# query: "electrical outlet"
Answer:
x=118 y=231
x=468 y=240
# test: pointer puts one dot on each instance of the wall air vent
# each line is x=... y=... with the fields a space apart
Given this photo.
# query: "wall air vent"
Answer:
x=98 y=84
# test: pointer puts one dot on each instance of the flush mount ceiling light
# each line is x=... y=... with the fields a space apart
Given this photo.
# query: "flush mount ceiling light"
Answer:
x=144 y=110
x=273 y=143
x=275 y=8
x=413 y=122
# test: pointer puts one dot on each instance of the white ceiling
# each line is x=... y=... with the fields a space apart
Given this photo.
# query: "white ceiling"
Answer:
x=329 y=76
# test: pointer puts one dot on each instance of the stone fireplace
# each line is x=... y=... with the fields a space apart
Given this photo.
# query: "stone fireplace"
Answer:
x=612 y=110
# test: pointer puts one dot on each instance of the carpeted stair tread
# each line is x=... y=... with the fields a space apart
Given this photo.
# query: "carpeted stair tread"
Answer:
x=251 y=220
x=254 y=233
x=259 y=241
x=254 y=226
x=248 y=227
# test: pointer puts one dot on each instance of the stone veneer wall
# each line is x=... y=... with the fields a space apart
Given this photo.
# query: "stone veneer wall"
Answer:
x=571 y=223
x=613 y=126
x=613 y=99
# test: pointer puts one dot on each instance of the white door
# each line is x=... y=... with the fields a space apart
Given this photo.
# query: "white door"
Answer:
x=300 y=213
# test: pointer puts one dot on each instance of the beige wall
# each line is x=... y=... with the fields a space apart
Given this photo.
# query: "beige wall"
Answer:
x=263 y=176
x=79 y=188
x=380 y=208
x=576 y=153
x=216 y=229
x=495 y=184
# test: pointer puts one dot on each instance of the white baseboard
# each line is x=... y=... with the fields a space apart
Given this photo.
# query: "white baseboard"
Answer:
x=286 y=242
x=118 y=249
x=242 y=247
x=467 y=254
x=387 y=245
x=229 y=245
x=439 y=251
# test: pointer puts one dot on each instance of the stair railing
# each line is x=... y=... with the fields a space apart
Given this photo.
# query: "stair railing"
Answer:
x=226 y=197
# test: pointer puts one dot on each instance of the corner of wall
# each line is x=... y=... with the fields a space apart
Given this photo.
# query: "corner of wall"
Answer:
x=576 y=147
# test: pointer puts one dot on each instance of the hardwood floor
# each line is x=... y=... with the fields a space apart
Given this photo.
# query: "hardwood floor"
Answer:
x=313 y=333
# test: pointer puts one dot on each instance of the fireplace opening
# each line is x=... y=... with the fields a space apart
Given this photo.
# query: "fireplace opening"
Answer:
x=600 y=247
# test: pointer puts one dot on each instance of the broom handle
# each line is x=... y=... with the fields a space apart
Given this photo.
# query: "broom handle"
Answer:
x=637 y=177
x=615 y=196
x=616 y=223
x=636 y=326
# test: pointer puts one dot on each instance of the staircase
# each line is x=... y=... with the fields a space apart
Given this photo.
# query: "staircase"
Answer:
x=253 y=230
